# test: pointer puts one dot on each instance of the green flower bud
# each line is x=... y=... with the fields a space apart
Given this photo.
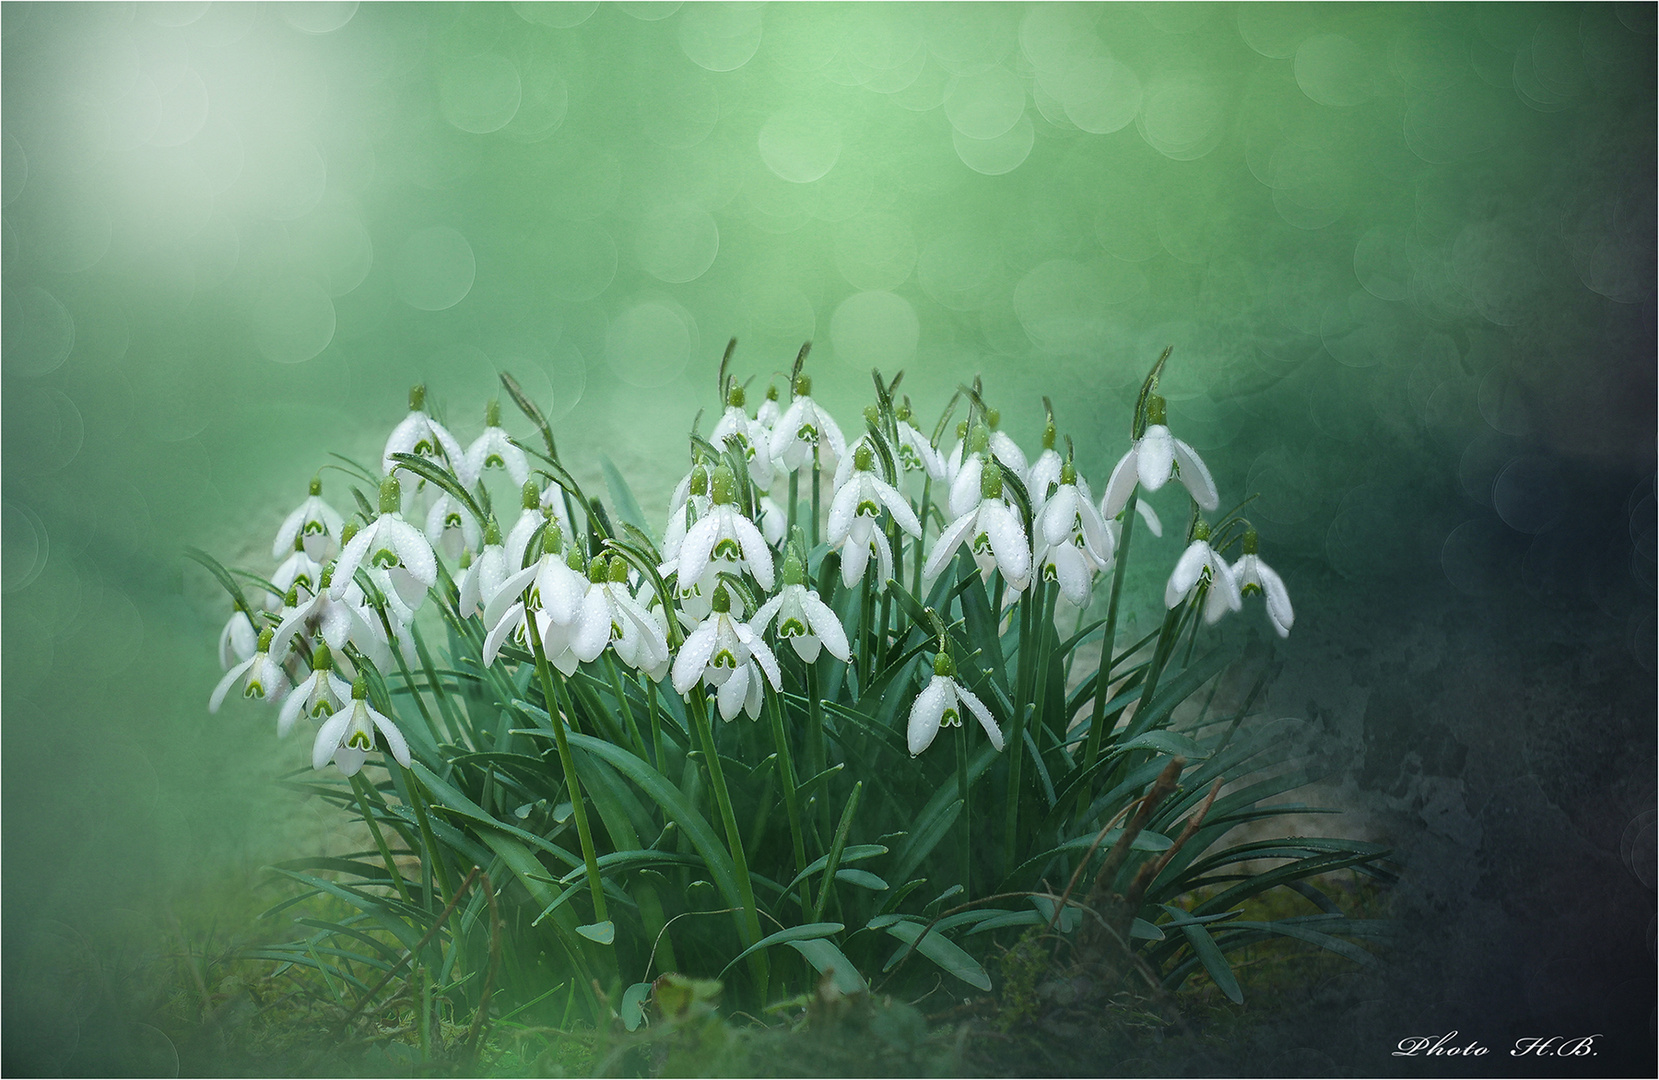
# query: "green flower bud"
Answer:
x=316 y=485
x=266 y=636
x=793 y=572
x=699 y=481
x=961 y=429
x=990 y=481
x=721 y=602
x=492 y=413
x=292 y=599
x=724 y=485
x=1251 y=541
x=864 y=459
x=326 y=578
x=903 y=411
x=321 y=658
x=552 y=538
x=872 y=414
x=529 y=498
x=772 y=392
x=492 y=531
x=417 y=397
x=1068 y=473
x=391 y=495
x=619 y=570
x=1156 y=413
x=803 y=385
x=359 y=688
x=1049 y=435
x=598 y=571
x=993 y=418
x=943 y=665
x=347 y=531
x=979 y=440
x=736 y=396
x=1200 y=531
x=573 y=558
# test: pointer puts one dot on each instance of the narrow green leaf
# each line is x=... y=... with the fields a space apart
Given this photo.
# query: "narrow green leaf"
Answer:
x=622 y=497
x=602 y=932
x=826 y=959
x=1214 y=961
x=936 y=947
x=804 y=932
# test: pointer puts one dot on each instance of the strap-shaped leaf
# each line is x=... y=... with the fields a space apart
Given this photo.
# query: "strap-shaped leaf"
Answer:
x=804 y=932
x=933 y=945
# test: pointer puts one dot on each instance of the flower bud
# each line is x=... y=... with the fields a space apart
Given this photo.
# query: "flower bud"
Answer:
x=316 y=485
x=359 y=688
x=1251 y=541
x=979 y=440
x=1068 y=472
x=1156 y=413
x=619 y=570
x=803 y=385
x=993 y=418
x=417 y=397
x=736 y=396
x=943 y=665
x=772 y=392
x=864 y=459
x=492 y=413
x=961 y=429
x=903 y=411
x=990 y=482
x=1049 y=435
x=326 y=578
x=573 y=558
x=1200 y=531
x=872 y=414
x=391 y=495
x=721 y=602
x=492 y=531
x=793 y=572
x=529 y=498
x=724 y=485
x=266 y=636
x=321 y=658
x=552 y=539
x=699 y=481
x=347 y=531
x=598 y=571
x=292 y=598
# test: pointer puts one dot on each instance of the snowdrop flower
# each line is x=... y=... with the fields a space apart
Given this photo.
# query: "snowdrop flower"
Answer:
x=421 y=435
x=806 y=622
x=768 y=413
x=1153 y=459
x=1044 y=472
x=728 y=655
x=753 y=437
x=265 y=677
x=916 y=453
x=852 y=518
x=347 y=736
x=495 y=450
x=298 y=571
x=692 y=494
x=449 y=528
x=994 y=534
x=805 y=433
x=536 y=509
x=313 y=521
x=394 y=552
x=1253 y=575
x=940 y=705
x=611 y=616
x=318 y=694
x=723 y=539
x=482 y=578
x=1004 y=449
x=1077 y=544
x=557 y=591
x=1198 y=564
x=238 y=640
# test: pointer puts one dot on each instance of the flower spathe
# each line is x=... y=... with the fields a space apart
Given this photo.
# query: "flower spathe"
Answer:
x=1200 y=563
x=940 y=704
x=347 y=736
x=1253 y=575
x=1152 y=460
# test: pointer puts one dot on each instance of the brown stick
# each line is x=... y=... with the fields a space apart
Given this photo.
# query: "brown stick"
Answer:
x=410 y=955
x=1149 y=872
x=1161 y=789
x=481 y=1017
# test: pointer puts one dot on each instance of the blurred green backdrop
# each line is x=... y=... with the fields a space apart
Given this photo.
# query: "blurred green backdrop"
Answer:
x=1405 y=255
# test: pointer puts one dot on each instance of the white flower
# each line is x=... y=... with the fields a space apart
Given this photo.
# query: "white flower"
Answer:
x=347 y=736
x=753 y=437
x=495 y=450
x=1253 y=575
x=484 y=576
x=265 y=677
x=940 y=705
x=692 y=494
x=449 y=528
x=298 y=571
x=1044 y=474
x=852 y=519
x=1200 y=563
x=916 y=453
x=804 y=428
x=313 y=521
x=1153 y=459
x=728 y=655
x=768 y=413
x=611 y=616
x=423 y=436
x=1070 y=517
x=556 y=599
x=318 y=694
x=393 y=548
x=537 y=508
x=806 y=622
x=723 y=539
x=238 y=640
x=994 y=533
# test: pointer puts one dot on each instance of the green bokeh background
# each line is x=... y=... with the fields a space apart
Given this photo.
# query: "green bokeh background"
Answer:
x=1404 y=254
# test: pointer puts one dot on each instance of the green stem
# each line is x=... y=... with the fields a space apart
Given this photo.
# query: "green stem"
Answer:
x=967 y=818
x=794 y=500
x=434 y=857
x=815 y=494
x=656 y=720
x=590 y=859
x=817 y=754
x=1016 y=741
x=357 y=786
x=1108 y=642
x=734 y=838
x=921 y=541
x=791 y=797
x=622 y=704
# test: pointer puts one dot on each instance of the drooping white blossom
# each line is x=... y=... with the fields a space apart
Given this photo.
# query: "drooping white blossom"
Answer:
x=494 y=449
x=1253 y=575
x=726 y=654
x=1152 y=460
x=423 y=436
x=805 y=621
x=940 y=704
x=348 y=735
x=315 y=522
x=1201 y=564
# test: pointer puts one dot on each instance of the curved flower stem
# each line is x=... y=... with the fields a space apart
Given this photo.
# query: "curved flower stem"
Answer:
x=357 y=786
x=1016 y=739
x=794 y=500
x=650 y=689
x=1108 y=642
x=623 y=706
x=734 y=838
x=555 y=713
x=816 y=752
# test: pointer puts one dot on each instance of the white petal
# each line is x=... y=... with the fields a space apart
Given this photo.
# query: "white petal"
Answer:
x=965 y=487
x=842 y=508
x=1278 y=600
x=290 y=529
x=1005 y=450
x=755 y=551
x=694 y=656
x=402 y=440
x=697 y=547
x=593 y=626
x=1060 y=514
x=768 y=663
x=1073 y=574
x=983 y=714
x=562 y=590
x=948 y=542
x=854 y=559
x=903 y=516
x=329 y=736
x=826 y=626
x=1119 y=487
x=884 y=559
x=395 y=741
x=223 y=688
x=1185 y=575
x=755 y=697
x=1008 y=541
x=293 y=705
x=807 y=647
x=1155 y=457
x=925 y=714
x=768 y=611
x=499 y=632
x=413 y=551
x=1196 y=477
x=1150 y=516
x=509 y=594
x=783 y=432
x=351 y=557
x=733 y=691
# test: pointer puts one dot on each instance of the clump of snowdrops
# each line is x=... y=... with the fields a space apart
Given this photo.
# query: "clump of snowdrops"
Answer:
x=835 y=720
